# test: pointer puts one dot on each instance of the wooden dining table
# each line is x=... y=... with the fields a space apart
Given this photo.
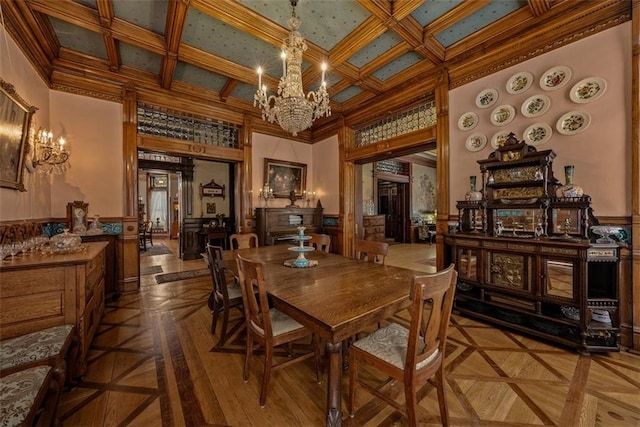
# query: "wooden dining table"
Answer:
x=335 y=299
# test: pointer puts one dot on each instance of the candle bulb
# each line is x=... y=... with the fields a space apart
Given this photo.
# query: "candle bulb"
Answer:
x=61 y=143
x=324 y=68
x=283 y=55
x=259 y=77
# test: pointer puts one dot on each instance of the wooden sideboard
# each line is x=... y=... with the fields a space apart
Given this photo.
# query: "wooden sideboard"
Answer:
x=275 y=223
x=40 y=291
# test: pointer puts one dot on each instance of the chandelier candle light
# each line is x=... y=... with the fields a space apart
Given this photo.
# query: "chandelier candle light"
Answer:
x=291 y=109
x=50 y=155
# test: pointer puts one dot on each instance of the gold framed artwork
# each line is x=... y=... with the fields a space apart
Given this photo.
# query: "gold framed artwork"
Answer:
x=283 y=177
x=15 y=120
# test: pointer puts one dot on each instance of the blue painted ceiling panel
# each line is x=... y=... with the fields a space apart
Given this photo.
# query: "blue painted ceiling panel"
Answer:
x=482 y=17
x=432 y=9
x=77 y=38
x=148 y=14
x=374 y=49
x=324 y=22
x=392 y=68
x=142 y=59
x=199 y=76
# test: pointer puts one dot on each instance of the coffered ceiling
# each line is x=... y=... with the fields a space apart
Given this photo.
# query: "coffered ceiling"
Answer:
x=382 y=54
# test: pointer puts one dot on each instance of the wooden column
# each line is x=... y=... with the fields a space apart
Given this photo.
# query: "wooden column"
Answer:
x=635 y=173
x=442 y=169
x=346 y=184
x=127 y=250
x=244 y=182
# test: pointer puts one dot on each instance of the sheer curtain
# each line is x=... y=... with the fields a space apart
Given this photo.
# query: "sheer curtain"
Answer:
x=158 y=209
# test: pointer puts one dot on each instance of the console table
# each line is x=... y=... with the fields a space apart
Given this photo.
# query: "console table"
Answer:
x=40 y=291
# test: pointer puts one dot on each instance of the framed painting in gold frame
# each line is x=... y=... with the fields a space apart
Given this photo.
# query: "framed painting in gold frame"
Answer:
x=283 y=177
x=15 y=122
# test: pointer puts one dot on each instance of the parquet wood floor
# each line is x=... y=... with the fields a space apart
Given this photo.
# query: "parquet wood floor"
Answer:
x=151 y=364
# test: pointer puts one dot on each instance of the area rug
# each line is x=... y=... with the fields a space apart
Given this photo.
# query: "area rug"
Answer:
x=152 y=269
x=156 y=249
x=181 y=275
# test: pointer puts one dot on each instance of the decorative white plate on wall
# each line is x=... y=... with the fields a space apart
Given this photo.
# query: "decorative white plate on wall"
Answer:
x=535 y=106
x=503 y=115
x=519 y=82
x=476 y=142
x=588 y=90
x=499 y=138
x=486 y=98
x=537 y=134
x=573 y=122
x=555 y=77
x=468 y=121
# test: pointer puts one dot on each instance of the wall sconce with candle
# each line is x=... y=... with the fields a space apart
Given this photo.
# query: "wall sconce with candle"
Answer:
x=50 y=155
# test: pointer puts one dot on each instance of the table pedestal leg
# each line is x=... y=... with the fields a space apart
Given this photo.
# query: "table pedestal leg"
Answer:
x=334 y=385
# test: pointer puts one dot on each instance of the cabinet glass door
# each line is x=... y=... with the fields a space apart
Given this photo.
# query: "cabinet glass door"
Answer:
x=558 y=278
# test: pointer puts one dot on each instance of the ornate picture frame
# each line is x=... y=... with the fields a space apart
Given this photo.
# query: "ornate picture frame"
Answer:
x=15 y=118
x=77 y=216
x=283 y=177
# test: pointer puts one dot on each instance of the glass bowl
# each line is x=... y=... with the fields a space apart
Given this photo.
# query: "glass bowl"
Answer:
x=65 y=242
x=605 y=232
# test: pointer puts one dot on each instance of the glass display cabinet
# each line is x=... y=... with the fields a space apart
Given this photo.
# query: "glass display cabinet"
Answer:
x=526 y=259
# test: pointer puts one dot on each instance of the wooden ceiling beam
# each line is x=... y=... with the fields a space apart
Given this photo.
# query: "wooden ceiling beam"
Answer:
x=539 y=7
x=454 y=15
x=105 y=12
x=226 y=90
x=174 y=26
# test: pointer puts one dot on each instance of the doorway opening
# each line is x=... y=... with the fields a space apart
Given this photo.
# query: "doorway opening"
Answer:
x=399 y=191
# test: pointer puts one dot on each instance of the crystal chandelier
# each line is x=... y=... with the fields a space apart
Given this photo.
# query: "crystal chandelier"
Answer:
x=50 y=155
x=291 y=109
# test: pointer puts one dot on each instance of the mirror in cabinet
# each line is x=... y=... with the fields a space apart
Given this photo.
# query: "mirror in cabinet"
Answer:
x=557 y=278
x=518 y=222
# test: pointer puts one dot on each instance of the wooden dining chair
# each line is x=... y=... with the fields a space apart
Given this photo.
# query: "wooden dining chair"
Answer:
x=411 y=355
x=223 y=296
x=371 y=251
x=243 y=241
x=269 y=328
x=322 y=242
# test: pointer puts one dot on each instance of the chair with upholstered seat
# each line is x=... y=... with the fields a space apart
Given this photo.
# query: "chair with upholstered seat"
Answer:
x=269 y=328
x=224 y=295
x=146 y=235
x=371 y=251
x=243 y=241
x=411 y=355
x=322 y=242
x=39 y=358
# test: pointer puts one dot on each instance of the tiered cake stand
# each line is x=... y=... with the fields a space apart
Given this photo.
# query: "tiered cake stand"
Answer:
x=301 y=249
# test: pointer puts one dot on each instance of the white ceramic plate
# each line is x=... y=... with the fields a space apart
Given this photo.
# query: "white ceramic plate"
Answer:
x=537 y=134
x=503 y=115
x=499 y=138
x=588 y=90
x=555 y=77
x=486 y=98
x=573 y=122
x=476 y=142
x=519 y=82
x=468 y=121
x=535 y=106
